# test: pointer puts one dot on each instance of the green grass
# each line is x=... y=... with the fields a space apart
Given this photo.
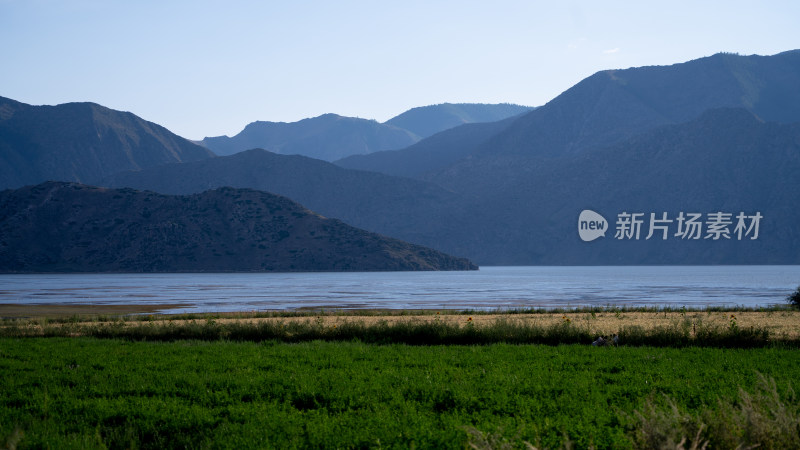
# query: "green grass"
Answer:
x=98 y=393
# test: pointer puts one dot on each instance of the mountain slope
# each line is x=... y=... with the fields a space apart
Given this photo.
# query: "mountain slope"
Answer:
x=397 y=207
x=428 y=155
x=614 y=105
x=718 y=134
x=605 y=108
x=727 y=160
x=327 y=137
x=67 y=227
x=331 y=137
x=81 y=142
x=426 y=121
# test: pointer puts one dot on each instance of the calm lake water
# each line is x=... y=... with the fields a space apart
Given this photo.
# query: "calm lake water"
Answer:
x=489 y=288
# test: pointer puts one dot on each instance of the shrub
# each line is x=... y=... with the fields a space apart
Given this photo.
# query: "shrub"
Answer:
x=765 y=418
x=794 y=298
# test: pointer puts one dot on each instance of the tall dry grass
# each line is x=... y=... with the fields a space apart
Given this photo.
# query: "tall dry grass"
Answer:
x=764 y=419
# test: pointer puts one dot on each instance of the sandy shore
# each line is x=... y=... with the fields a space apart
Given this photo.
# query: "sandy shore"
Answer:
x=69 y=310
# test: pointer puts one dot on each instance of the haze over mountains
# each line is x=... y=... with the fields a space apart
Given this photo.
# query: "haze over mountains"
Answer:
x=81 y=142
x=727 y=160
x=326 y=137
x=429 y=155
x=715 y=135
x=373 y=201
x=614 y=105
x=330 y=137
x=611 y=106
x=515 y=188
x=425 y=121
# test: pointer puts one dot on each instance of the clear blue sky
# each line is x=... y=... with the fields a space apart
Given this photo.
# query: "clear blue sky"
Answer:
x=204 y=68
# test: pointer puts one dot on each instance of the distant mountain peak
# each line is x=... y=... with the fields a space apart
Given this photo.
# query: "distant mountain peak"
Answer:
x=81 y=141
x=327 y=137
x=428 y=120
x=331 y=137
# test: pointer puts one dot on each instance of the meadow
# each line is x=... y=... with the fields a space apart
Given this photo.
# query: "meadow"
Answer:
x=322 y=382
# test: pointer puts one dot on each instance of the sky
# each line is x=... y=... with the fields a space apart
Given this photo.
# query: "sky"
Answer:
x=208 y=68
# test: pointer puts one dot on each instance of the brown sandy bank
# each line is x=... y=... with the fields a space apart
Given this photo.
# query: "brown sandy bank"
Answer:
x=68 y=310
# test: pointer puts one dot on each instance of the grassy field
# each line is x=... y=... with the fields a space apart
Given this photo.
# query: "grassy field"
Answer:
x=432 y=379
x=98 y=393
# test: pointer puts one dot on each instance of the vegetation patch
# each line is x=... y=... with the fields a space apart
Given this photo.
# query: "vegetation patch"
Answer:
x=794 y=298
x=680 y=330
x=100 y=393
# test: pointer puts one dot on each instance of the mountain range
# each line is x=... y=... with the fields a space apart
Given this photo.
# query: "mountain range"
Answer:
x=714 y=135
x=604 y=109
x=326 y=137
x=330 y=137
x=613 y=105
x=726 y=160
x=81 y=142
x=69 y=227
x=510 y=191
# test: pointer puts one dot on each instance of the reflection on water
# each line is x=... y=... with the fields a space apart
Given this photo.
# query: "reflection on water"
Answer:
x=489 y=288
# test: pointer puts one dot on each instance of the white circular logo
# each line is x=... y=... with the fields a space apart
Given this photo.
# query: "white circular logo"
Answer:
x=591 y=225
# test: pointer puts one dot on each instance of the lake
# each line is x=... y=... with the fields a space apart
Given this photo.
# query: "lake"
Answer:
x=487 y=289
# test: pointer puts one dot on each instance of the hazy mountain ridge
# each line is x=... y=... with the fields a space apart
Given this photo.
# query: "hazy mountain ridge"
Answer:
x=373 y=201
x=327 y=137
x=331 y=137
x=726 y=160
x=68 y=227
x=607 y=107
x=713 y=134
x=81 y=142
x=614 y=105
x=428 y=155
x=514 y=198
x=425 y=121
